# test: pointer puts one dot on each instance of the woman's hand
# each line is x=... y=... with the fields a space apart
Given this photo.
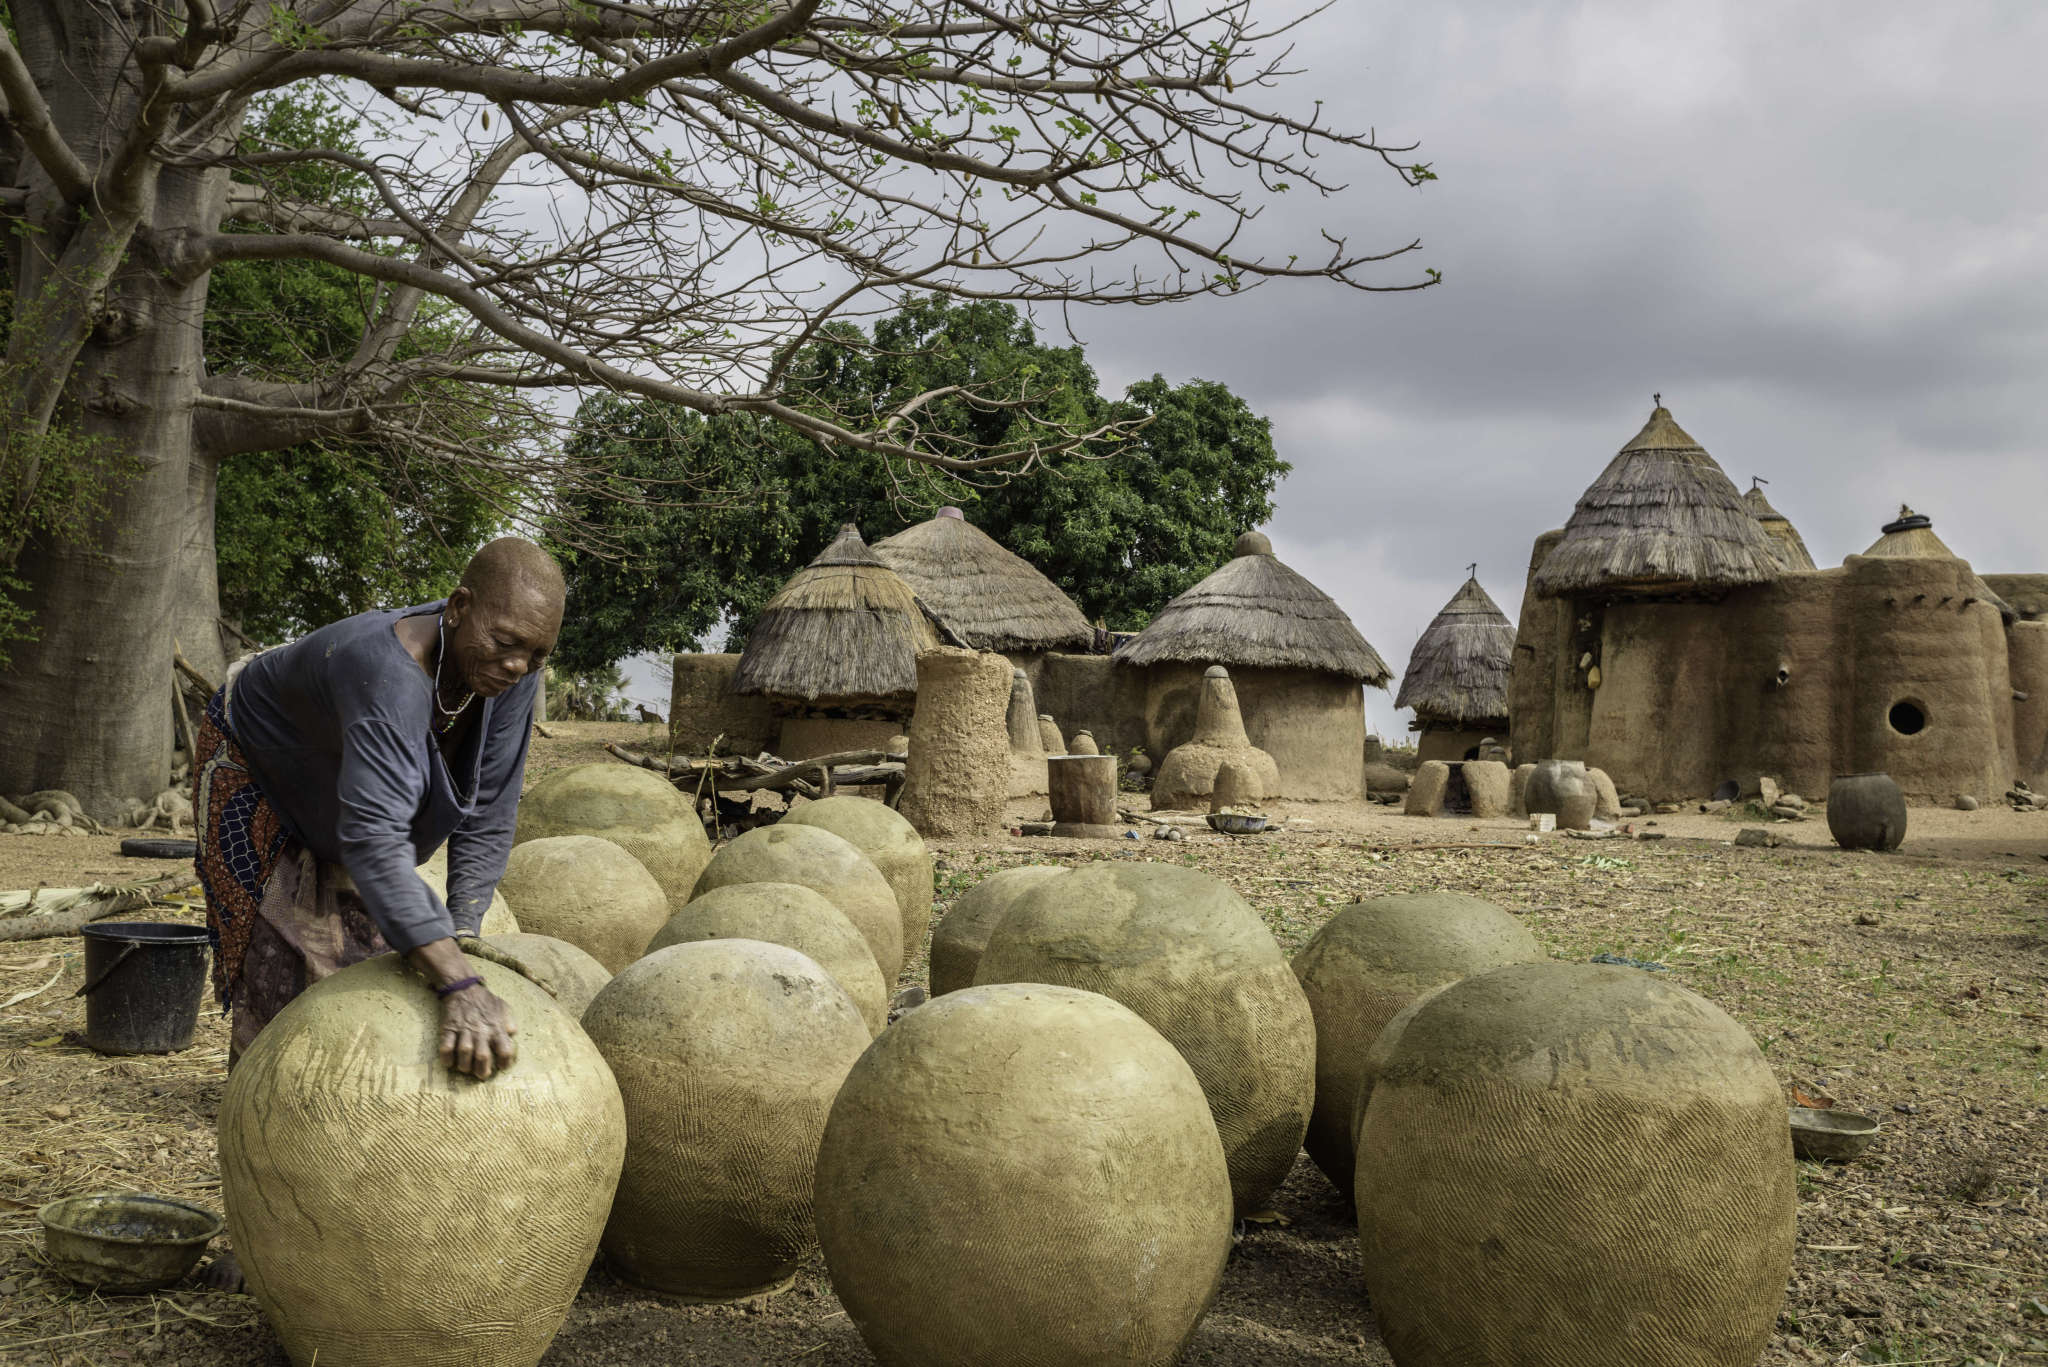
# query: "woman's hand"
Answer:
x=477 y=1032
x=477 y=1028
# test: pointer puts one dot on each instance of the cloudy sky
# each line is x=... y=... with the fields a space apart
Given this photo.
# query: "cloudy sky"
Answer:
x=1820 y=232
x=1819 y=229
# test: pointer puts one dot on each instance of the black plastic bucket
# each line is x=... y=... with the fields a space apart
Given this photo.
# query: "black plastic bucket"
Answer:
x=143 y=981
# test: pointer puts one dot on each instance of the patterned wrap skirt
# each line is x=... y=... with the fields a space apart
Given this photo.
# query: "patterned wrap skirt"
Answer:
x=279 y=919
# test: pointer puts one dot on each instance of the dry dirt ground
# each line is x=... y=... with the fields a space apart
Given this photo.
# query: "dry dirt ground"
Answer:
x=1911 y=987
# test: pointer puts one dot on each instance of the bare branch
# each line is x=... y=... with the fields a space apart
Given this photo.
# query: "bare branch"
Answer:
x=29 y=116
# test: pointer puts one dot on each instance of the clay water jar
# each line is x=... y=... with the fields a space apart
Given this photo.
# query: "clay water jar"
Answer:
x=1866 y=812
x=1554 y=781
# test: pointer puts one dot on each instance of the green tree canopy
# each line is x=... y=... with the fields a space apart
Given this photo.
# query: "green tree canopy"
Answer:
x=336 y=525
x=711 y=515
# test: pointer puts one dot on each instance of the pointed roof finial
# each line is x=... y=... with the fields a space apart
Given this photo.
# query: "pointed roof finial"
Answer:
x=1472 y=570
x=1657 y=400
x=1755 y=480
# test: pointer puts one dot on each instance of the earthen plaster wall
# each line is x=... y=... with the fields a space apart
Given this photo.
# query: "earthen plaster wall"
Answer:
x=1311 y=723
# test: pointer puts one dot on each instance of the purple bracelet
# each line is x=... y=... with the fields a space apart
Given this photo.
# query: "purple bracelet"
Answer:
x=450 y=989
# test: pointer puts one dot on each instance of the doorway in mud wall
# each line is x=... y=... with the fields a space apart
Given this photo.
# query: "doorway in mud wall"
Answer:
x=1457 y=797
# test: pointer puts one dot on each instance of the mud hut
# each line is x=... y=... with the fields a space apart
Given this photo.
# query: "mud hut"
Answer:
x=1792 y=552
x=1662 y=521
x=1297 y=661
x=1457 y=679
x=836 y=650
x=1901 y=660
x=981 y=594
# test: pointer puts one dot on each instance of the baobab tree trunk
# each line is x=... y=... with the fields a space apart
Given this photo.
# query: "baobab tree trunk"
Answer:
x=87 y=699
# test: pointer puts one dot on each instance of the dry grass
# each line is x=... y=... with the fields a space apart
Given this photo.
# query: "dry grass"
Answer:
x=1908 y=987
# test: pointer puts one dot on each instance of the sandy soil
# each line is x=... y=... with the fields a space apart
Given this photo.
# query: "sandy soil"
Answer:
x=1911 y=987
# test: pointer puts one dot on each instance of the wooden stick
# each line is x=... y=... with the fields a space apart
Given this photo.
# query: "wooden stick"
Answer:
x=71 y=922
x=240 y=635
x=185 y=732
x=185 y=667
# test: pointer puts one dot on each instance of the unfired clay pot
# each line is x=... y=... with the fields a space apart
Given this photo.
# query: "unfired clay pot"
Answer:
x=1866 y=812
x=1553 y=781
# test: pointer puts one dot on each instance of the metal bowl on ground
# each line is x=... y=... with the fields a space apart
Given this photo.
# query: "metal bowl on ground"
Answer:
x=1236 y=823
x=126 y=1241
x=1837 y=1136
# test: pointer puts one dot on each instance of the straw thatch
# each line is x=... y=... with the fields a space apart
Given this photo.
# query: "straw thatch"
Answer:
x=844 y=630
x=1256 y=613
x=1458 y=671
x=1792 y=552
x=1911 y=536
x=983 y=594
x=1662 y=519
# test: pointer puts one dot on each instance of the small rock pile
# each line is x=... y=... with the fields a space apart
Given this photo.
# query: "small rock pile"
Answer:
x=2021 y=798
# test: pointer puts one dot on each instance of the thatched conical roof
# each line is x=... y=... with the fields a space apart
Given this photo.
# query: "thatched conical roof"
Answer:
x=1792 y=550
x=1256 y=613
x=1911 y=536
x=844 y=630
x=1458 y=671
x=986 y=596
x=1661 y=519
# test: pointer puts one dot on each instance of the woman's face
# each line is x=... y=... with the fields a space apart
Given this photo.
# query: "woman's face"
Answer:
x=499 y=636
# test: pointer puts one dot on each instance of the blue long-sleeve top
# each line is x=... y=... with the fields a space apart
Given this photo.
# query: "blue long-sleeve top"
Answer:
x=336 y=727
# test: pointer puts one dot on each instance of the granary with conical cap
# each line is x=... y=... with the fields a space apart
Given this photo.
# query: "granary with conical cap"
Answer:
x=1298 y=663
x=1676 y=634
x=1457 y=678
x=835 y=651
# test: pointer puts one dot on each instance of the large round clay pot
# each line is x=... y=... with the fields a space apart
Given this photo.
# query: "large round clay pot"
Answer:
x=1575 y=1165
x=588 y=891
x=571 y=974
x=1184 y=951
x=1365 y=964
x=960 y=937
x=1552 y=781
x=728 y=1054
x=636 y=809
x=786 y=914
x=1866 y=812
x=1023 y=1174
x=827 y=864
x=892 y=844
x=388 y=1213
x=1575 y=810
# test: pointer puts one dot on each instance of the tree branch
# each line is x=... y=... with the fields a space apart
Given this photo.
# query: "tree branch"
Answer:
x=29 y=116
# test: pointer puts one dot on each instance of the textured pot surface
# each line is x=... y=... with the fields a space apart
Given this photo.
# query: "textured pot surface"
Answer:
x=1866 y=812
x=787 y=914
x=878 y=831
x=827 y=864
x=390 y=1213
x=959 y=939
x=1023 y=1174
x=728 y=1054
x=589 y=891
x=1188 y=954
x=1575 y=1165
x=573 y=975
x=1365 y=964
x=636 y=809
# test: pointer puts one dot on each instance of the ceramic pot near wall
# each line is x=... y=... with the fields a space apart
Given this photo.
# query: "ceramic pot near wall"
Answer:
x=1866 y=812
x=1553 y=782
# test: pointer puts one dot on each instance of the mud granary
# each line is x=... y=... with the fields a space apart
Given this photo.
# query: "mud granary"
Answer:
x=1670 y=636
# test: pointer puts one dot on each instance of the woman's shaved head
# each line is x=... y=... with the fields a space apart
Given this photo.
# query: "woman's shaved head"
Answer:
x=510 y=563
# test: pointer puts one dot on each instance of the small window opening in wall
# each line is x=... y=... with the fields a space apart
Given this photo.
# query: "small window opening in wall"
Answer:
x=1908 y=719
